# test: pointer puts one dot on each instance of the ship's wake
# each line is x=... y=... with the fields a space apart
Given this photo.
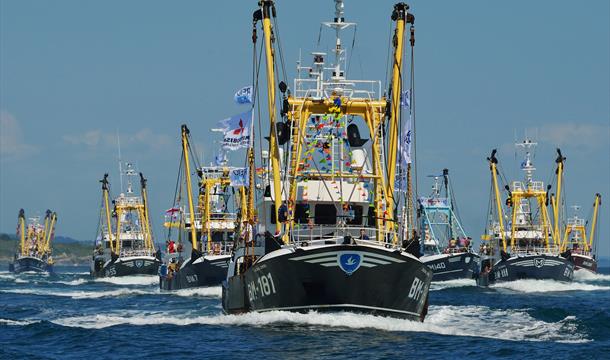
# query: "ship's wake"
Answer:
x=473 y=321
x=543 y=286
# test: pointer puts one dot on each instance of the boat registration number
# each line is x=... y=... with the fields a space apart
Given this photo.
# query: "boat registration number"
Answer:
x=260 y=287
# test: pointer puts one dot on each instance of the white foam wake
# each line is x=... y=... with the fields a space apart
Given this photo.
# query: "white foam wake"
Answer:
x=74 y=282
x=131 y=280
x=475 y=321
x=440 y=285
x=536 y=286
x=80 y=294
x=212 y=291
x=17 y=322
x=584 y=275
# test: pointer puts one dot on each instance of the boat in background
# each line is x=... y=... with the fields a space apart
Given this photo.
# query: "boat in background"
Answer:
x=34 y=251
x=203 y=259
x=445 y=246
x=124 y=245
x=582 y=249
x=527 y=247
x=329 y=195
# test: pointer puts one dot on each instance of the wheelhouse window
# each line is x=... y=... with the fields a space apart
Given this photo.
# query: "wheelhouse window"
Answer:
x=326 y=214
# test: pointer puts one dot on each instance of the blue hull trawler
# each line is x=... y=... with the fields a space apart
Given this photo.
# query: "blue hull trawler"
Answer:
x=34 y=253
x=527 y=246
x=446 y=248
x=203 y=260
x=124 y=245
x=328 y=234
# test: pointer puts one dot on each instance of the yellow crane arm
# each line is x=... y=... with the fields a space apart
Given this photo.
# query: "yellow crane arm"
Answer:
x=596 y=204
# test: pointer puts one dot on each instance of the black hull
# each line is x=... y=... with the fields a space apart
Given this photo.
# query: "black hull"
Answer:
x=126 y=267
x=451 y=266
x=535 y=266
x=383 y=283
x=584 y=262
x=33 y=264
x=202 y=272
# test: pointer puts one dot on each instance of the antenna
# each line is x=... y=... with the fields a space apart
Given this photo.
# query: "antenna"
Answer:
x=118 y=140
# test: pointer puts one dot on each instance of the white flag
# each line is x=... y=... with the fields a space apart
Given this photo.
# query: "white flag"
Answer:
x=236 y=131
x=405 y=142
x=239 y=177
x=244 y=95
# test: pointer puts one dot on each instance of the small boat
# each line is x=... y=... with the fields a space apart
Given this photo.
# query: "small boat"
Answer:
x=582 y=249
x=326 y=236
x=203 y=259
x=528 y=247
x=124 y=245
x=446 y=248
x=34 y=252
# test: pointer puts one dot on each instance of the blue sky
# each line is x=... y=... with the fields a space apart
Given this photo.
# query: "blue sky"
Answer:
x=72 y=73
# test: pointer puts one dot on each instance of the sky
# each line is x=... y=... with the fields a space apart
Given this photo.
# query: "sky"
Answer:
x=75 y=73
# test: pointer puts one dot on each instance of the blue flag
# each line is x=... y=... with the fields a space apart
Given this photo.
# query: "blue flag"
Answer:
x=244 y=95
x=239 y=177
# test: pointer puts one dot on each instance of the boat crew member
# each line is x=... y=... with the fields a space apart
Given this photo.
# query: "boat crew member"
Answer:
x=363 y=235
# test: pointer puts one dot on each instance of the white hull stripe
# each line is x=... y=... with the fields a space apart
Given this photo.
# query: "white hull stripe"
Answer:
x=327 y=256
x=449 y=271
x=314 y=307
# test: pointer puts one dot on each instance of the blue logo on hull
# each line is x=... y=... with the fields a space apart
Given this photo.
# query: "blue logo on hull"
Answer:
x=349 y=262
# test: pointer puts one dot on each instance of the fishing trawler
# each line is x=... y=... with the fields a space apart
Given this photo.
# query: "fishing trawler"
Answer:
x=34 y=252
x=582 y=249
x=327 y=237
x=124 y=245
x=446 y=248
x=203 y=260
x=528 y=247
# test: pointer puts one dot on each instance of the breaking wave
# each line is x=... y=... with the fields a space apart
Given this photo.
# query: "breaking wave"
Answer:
x=473 y=321
x=584 y=275
x=80 y=294
x=213 y=291
x=131 y=280
x=440 y=285
x=537 y=286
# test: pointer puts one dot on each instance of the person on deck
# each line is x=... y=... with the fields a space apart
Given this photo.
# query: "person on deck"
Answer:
x=171 y=247
x=363 y=235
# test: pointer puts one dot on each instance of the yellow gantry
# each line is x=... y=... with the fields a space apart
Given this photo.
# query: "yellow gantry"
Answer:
x=494 y=176
x=556 y=203
x=596 y=204
x=105 y=193
x=22 y=234
x=267 y=6
x=189 y=188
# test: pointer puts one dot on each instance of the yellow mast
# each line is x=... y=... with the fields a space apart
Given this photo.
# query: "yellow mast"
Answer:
x=494 y=175
x=43 y=237
x=205 y=216
x=596 y=204
x=21 y=220
x=189 y=189
x=105 y=190
x=557 y=201
x=399 y=14
x=148 y=240
x=49 y=234
x=268 y=7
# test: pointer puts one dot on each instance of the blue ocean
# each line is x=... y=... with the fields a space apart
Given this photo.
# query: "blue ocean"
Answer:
x=70 y=316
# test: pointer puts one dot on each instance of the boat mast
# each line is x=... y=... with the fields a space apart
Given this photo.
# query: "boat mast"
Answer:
x=596 y=204
x=189 y=189
x=268 y=9
x=144 y=214
x=400 y=16
x=21 y=221
x=493 y=161
x=46 y=248
x=557 y=200
x=105 y=190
